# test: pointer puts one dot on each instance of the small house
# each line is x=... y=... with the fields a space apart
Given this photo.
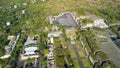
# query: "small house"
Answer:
x=30 y=50
x=100 y=23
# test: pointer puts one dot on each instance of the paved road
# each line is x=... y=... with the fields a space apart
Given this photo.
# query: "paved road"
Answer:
x=78 y=56
x=111 y=50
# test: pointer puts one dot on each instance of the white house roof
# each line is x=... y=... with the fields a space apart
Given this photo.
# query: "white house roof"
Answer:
x=29 y=53
x=30 y=40
x=30 y=50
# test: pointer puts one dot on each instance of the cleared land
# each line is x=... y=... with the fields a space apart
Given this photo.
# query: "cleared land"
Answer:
x=39 y=12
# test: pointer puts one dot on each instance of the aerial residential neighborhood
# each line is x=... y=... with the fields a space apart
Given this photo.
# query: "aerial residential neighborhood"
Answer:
x=59 y=34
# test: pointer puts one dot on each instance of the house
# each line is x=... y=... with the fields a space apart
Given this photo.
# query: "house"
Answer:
x=11 y=45
x=64 y=19
x=100 y=23
x=30 y=48
x=9 y=48
x=30 y=51
x=30 y=40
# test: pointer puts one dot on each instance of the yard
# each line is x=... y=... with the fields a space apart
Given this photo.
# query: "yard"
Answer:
x=86 y=62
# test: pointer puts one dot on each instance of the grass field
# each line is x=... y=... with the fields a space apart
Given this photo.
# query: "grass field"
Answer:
x=86 y=62
x=39 y=12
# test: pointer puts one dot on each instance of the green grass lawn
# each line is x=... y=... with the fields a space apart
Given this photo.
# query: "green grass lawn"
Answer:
x=30 y=60
x=79 y=46
x=56 y=42
x=73 y=55
x=39 y=12
x=76 y=64
x=46 y=51
x=86 y=62
x=59 y=61
x=82 y=53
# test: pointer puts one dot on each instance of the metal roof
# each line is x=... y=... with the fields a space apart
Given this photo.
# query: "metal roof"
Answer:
x=30 y=50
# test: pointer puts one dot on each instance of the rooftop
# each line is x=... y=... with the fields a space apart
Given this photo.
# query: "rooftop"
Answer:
x=65 y=19
x=11 y=37
x=30 y=50
x=100 y=23
x=30 y=40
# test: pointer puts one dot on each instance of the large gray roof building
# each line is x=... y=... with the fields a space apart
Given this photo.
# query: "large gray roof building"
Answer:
x=65 y=19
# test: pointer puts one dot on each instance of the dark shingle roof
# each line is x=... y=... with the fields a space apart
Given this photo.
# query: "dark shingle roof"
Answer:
x=66 y=20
